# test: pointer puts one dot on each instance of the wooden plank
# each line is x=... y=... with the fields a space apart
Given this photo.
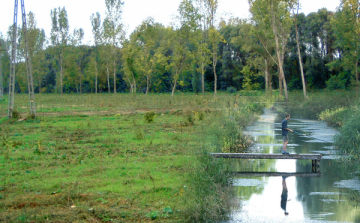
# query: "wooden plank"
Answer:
x=276 y=174
x=266 y=156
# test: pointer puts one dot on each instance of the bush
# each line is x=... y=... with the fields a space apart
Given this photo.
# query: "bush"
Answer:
x=335 y=117
x=149 y=116
x=348 y=138
x=340 y=81
x=15 y=114
x=189 y=118
x=231 y=90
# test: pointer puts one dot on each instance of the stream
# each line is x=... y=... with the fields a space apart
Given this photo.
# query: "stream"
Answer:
x=330 y=196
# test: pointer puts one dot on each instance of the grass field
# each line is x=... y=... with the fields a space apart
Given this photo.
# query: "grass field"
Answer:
x=122 y=158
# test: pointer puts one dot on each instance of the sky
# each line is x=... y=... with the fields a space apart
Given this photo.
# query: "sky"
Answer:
x=134 y=12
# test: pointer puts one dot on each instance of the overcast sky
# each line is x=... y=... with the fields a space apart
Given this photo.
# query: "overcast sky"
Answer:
x=134 y=12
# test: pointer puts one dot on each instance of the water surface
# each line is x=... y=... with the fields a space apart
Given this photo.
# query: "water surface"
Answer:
x=332 y=197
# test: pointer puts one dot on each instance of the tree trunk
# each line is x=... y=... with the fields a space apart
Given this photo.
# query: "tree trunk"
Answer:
x=215 y=76
x=80 y=83
x=279 y=52
x=114 y=78
x=131 y=86
x=266 y=76
x=147 y=84
x=108 y=76
x=134 y=84
x=96 y=78
x=280 y=82
x=300 y=62
x=202 y=77
x=173 y=90
x=283 y=77
x=61 y=75
x=357 y=75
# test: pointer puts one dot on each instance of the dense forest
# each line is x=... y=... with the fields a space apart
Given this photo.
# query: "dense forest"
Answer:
x=278 y=48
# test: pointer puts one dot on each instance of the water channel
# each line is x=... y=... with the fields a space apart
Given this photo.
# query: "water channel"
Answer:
x=331 y=196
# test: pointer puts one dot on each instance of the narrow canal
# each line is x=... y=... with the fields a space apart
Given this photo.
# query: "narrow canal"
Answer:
x=331 y=196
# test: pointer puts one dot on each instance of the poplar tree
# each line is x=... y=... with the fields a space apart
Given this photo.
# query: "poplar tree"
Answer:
x=37 y=40
x=97 y=34
x=113 y=29
x=214 y=35
x=275 y=14
x=298 y=48
x=151 y=50
x=346 y=24
x=60 y=37
x=78 y=37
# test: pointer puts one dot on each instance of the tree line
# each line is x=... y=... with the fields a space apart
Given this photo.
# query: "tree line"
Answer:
x=278 y=48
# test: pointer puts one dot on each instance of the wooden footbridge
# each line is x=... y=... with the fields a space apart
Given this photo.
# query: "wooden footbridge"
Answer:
x=314 y=157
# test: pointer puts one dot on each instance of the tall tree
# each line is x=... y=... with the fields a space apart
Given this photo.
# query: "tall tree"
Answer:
x=130 y=51
x=78 y=36
x=97 y=34
x=298 y=48
x=346 y=24
x=151 y=50
x=275 y=14
x=60 y=37
x=214 y=36
x=180 y=41
x=113 y=29
x=1 y=70
x=214 y=39
x=37 y=40
x=204 y=53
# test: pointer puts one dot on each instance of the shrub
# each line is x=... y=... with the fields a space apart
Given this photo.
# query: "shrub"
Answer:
x=335 y=117
x=15 y=114
x=189 y=118
x=200 y=115
x=348 y=138
x=340 y=81
x=231 y=90
x=149 y=116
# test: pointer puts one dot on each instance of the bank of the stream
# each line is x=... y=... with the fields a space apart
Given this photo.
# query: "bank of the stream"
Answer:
x=144 y=159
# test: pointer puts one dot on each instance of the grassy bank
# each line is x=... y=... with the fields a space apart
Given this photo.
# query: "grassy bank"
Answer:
x=124 y=158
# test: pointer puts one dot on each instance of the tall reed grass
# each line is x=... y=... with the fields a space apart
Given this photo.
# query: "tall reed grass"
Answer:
x=210 y=180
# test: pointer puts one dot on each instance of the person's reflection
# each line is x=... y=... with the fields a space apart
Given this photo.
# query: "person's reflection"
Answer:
x=284 y=195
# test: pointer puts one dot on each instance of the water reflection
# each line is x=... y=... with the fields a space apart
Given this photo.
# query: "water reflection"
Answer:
x=333 y=197
x=284 y=195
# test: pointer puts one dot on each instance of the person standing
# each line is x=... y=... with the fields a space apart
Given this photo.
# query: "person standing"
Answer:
x=284 y=133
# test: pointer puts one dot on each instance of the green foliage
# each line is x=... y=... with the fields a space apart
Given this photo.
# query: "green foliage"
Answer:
x=189 y=118
x=338 y=82
x=149 y=116
x=319 y=101
x=15 y=114
x=248 y=82
x=336 y=116
x=153 y=215
x=231 y=90
x=210 y=188
x=348 y=138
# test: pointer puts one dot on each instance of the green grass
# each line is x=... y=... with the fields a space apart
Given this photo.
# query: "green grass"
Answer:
x=75 y=163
